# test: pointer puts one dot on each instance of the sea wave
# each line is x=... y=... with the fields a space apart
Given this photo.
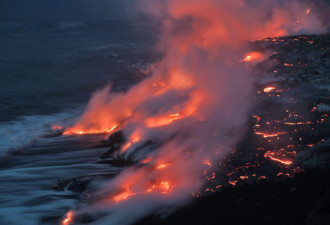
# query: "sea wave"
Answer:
x=22 y=132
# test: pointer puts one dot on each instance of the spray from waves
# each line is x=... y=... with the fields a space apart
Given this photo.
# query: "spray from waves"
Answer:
x=22 y=132
x=192 y=108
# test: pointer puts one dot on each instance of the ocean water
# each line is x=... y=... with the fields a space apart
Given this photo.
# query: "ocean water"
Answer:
x=53 y=56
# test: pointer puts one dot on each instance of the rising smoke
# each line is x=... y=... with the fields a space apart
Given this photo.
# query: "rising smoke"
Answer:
x=193 y=106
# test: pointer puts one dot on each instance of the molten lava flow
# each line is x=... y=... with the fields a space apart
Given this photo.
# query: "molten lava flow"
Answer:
x=123 y=196
x=268 y=135
x=162 y=166
x=134 y=138
x=195 y=101
x=162 y=120
x=68 y=218
x=207 y=162
x=164 y=187
x=76 y=131
x=269 y=89
x=271 y=156
x=253 y=56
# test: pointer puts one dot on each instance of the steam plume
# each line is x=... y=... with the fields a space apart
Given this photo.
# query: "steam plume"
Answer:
x=194 y=104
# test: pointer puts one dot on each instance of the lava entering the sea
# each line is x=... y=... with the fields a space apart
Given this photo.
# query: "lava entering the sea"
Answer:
x=192 y=108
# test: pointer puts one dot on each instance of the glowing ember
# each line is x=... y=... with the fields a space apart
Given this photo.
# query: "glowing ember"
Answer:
x=68 y=218
x=269 y=89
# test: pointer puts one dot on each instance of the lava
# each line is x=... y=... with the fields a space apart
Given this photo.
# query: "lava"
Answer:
x=134 y=138
x=77 y=131
x=123 y=196
x=269 y=135
x=164 y=187
x=162 y=120
x=162 y=166
x=270 y=155
x=253 y=56
x=68 y=218
x=195 y=100
x=269 y=89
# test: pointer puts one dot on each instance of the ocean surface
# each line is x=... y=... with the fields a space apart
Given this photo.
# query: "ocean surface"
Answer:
x=53 y=56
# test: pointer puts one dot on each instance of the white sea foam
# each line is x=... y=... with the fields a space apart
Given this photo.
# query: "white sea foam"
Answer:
x=21 y=133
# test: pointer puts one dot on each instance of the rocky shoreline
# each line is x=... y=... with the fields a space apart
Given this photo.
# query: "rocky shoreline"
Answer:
x=279 y=173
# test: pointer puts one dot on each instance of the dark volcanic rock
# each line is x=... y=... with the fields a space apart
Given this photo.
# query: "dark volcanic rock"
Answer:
x=303 y=200
x=77 y=185
x=115 y=141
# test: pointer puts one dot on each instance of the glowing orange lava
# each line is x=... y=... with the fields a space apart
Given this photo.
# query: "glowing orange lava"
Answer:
x=207 y=162
x=268 y=135
x=164 y=187
x=68 y=218
x=253 y=56
x=162 y=120
x=283 y=161
x=77 y=131
x=134 y=138
x=269 y=89
x=162 y=166
x=123 y=196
